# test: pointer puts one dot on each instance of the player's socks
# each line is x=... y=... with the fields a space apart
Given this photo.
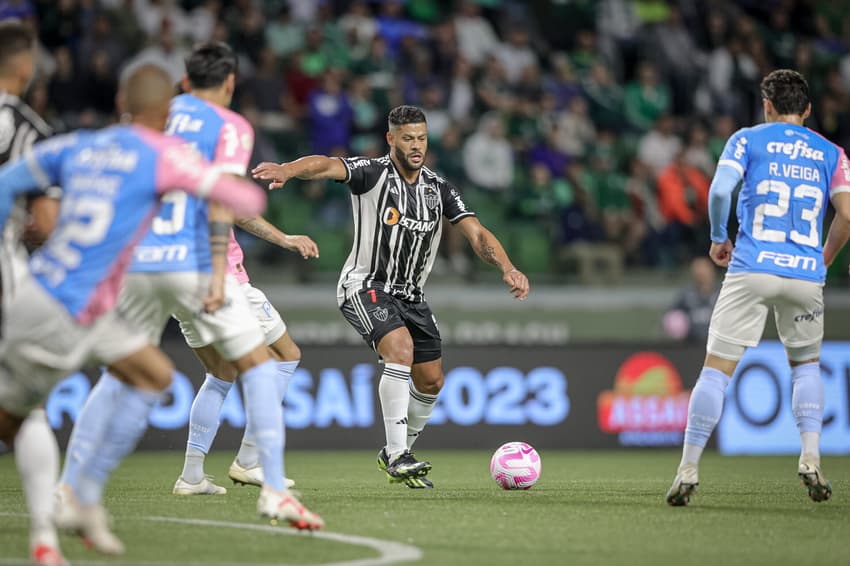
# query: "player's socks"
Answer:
x=418 y=412
x=248 y=457
x=395 y=398
x=204 y=419
x=704 y=411
x=90 y=426
x=807 y=407
x=265 y=415
x=37 y=458
x=128 y=424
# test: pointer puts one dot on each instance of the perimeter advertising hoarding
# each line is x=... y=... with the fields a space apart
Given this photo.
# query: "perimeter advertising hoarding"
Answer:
x=552 y=397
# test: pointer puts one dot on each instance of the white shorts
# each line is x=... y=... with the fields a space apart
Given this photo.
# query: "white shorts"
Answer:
x=232 y=330
x=42 y=344
x=13 y=268
x=268 y=316
x=742 y=306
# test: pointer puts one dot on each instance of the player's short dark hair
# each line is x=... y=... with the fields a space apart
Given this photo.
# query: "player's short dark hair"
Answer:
x=15 y=38
x=787 y=90
x=401 y=115
x=210 y=64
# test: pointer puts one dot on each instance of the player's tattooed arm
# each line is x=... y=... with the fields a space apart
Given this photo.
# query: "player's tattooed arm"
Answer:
x=220 y=223
x=310 y=167
x=262 y=228
x=489 y=249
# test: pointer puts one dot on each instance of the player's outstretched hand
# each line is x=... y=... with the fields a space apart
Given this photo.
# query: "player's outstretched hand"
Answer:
x=721 y=254
x=302 y=245
x=273 y=172
x=518 y=282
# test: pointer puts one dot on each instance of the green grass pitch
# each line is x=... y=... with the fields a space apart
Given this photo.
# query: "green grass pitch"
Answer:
x=588 y=508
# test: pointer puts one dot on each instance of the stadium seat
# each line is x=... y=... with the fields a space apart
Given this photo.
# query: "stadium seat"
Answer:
x=530 y=248
x=594 y=262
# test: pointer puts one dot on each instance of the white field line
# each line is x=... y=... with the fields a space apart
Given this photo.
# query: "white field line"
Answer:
x=389 y=552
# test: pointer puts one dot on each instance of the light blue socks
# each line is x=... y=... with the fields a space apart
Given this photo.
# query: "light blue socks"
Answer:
x=265 y=419
x=704 y=411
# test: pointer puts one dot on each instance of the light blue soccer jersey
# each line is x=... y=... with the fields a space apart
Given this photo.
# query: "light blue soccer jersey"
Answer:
x=112 y=181
x=179 y=236
x=788 y=172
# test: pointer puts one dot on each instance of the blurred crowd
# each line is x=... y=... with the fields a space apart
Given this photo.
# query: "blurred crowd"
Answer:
x=570 y=121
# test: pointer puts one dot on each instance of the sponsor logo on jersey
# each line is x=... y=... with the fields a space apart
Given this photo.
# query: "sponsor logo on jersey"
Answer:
x=794 y=150
x=113 y=158
x=183 y=123
x=788 y=260
x=392 y=217
x=648 y=405
x=357 y=164
x=159 y=254
x=740 y=148
x=809 y=316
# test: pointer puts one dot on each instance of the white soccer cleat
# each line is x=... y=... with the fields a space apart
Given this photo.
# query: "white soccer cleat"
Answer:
x=818 y=486
x=90 y=522
x=284 y=506
x=204 y=487
x=44 y=554
x=684 y=485
x=251 y=476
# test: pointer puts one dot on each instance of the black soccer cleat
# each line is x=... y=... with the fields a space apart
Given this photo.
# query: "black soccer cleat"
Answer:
x=404 y=468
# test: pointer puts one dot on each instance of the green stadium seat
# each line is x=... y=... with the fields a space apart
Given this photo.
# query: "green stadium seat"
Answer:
x=530 y=248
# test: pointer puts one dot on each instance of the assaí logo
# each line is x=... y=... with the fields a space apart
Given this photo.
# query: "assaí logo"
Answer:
x=648 y=406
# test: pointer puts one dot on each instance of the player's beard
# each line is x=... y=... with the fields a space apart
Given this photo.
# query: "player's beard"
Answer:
x=402 y=159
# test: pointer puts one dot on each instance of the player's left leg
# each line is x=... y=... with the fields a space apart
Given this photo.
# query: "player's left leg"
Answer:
x=736 y=324
x=799 y=321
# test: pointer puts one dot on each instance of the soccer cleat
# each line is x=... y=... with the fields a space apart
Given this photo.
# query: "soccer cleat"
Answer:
x=818 y=486
x=47 y=555
x=284 y=506
x=90 y=522
x=683 y=487
x=251 y=476
x=419 y=483
x=204 y=487
x=406 y=466
x=383 y=464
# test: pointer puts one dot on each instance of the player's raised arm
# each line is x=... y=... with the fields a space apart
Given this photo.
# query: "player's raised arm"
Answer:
x=262 y=228
x=309 y=167
x=488 y=248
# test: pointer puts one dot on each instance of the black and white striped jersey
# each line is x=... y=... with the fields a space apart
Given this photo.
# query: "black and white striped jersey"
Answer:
x=397 y=227
x=20 y=128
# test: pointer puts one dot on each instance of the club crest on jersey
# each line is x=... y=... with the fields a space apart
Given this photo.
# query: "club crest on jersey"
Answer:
x=381 y=314
x=431 y=197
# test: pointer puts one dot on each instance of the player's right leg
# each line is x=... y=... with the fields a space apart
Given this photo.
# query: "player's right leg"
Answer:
x=736 y=324
x=799 y=321
x=375 y=316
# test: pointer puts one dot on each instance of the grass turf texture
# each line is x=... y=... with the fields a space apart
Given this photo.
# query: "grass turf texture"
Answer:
x=587 y=508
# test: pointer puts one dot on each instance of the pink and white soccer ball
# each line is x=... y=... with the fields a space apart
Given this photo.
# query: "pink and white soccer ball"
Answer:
x=515 y=465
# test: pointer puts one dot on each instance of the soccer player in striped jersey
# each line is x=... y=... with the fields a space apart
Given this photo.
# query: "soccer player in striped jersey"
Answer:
x=31 y=222
x=399 y=205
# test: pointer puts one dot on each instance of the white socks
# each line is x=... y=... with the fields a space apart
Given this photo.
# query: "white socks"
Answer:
x=37 y=458
x=395 y=398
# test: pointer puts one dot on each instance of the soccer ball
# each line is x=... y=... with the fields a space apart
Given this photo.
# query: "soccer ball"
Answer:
x=515 y=465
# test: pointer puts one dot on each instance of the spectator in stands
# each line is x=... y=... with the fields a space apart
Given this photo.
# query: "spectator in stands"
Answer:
x=697 y=152
x=683 y=201
x=605 y=97
x=646 y=98
x=284 y=35
x=516 y=54
x=689 y=316
x=488 y=157
x=574 y=130
x=660 y=145
x=475 y=36
x=330 y=115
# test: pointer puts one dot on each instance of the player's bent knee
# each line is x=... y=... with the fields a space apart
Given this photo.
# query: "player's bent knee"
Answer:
x=724 y=349
x=255 y=357
x=803 y=354
x=285 y=349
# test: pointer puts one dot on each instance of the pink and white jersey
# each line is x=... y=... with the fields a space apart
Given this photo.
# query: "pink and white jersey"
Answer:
x=232 y=155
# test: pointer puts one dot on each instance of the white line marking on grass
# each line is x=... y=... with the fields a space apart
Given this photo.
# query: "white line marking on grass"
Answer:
x=389 y=552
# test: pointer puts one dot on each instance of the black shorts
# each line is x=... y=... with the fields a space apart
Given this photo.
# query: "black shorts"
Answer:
x=374 y=314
